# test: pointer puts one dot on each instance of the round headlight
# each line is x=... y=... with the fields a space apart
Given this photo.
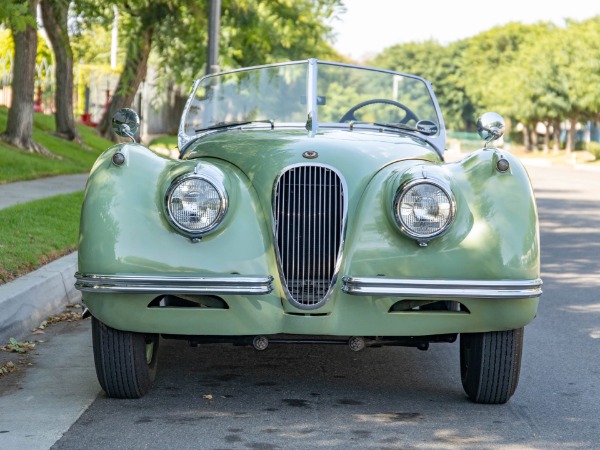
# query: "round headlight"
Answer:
x=196 y=204
x=424 y=208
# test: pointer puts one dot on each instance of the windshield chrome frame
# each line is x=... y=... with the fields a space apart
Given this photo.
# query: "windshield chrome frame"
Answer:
x=312 y=125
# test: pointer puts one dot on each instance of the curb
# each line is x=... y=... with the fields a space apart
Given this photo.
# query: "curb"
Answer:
x=30 y=299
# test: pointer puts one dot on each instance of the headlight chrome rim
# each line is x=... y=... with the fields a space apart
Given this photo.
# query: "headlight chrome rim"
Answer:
x=401 y=192
x=223 y=203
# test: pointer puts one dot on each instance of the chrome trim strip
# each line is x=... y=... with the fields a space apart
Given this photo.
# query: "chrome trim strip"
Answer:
x=144 y=284
x=312 y=123
x=442 y=289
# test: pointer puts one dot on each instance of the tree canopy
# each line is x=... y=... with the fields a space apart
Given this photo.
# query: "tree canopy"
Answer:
x=528 y=73
x=174 y=32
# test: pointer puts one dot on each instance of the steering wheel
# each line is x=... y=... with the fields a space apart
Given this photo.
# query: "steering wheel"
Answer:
x=409 y=115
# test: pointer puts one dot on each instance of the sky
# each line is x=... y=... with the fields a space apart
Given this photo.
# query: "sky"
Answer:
x=369 y=26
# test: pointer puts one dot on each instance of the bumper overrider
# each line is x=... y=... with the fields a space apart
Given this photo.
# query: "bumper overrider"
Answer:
x=262 y=285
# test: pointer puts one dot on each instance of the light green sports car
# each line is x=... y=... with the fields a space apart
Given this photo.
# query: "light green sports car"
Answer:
x=311 y=202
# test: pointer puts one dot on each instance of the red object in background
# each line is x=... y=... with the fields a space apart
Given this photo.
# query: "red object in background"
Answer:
x=37 y=106
x=86 y=119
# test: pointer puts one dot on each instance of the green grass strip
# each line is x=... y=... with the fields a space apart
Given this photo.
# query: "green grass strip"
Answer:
x=33 y=234
x=18 y=165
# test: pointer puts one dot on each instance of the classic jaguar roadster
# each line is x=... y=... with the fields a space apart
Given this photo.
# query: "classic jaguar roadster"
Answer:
x=311 y=202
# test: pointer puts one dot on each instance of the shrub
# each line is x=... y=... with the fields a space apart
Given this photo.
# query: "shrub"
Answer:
x=595 y=149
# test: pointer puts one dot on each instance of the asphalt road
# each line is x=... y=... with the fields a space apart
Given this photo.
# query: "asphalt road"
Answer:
x=218 y=397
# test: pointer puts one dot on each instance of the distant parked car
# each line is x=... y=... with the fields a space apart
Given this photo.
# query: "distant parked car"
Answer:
x=310 y=202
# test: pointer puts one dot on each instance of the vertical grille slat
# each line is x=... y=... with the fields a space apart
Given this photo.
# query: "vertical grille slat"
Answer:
x=308 y=211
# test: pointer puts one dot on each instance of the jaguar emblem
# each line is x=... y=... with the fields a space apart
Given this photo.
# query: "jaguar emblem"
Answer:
x=310 y=154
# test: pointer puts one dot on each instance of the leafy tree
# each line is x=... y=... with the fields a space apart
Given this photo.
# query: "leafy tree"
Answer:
x=20 y=16
x=555 y=78
x=439 y=65
x=143 y=19
x=16 y=13
x=91 y=42
x=529 y=73
x=580 y=63
x=261 y=32
x=7 y=46
x=253 y=32
x=533 y=81
x=487 y=55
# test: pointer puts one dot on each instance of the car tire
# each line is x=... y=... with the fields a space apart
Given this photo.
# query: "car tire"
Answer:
x=490 y=364
x=125 y=361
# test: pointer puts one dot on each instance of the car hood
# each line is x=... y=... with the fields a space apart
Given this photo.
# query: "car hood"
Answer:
x=357 y=155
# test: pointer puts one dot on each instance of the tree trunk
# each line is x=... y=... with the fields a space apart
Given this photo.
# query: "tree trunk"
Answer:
x=136 y=65
x=19 y=127
x=572 y=134
x=55 y=15
x=546 y=148
x=556 y=133
x=534 y=138
x=527 y=137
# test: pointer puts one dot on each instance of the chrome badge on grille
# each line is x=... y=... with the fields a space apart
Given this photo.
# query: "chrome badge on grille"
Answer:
x=310 y=154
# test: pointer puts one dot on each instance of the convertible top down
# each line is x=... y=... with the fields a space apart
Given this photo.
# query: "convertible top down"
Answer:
x=311 y=202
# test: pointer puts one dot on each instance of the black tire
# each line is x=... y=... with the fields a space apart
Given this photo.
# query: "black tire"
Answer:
x=490 y=364
x=125 y=361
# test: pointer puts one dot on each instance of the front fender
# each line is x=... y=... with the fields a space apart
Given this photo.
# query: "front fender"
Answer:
x=494 y=235
x=124 y=228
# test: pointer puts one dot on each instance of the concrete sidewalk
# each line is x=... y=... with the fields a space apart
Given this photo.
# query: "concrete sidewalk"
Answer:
x=28 y=300
x=27 y=191
x=40 y=407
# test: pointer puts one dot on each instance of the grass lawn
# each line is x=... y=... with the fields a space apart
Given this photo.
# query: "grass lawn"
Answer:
x=17 y=165
x=38 y=232
x=33 y=234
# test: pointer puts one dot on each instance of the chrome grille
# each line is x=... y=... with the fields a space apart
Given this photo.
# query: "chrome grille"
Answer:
x=308 y=209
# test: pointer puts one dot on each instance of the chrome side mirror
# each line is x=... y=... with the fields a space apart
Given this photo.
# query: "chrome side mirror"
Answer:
x=126 y=123
x=490 y=127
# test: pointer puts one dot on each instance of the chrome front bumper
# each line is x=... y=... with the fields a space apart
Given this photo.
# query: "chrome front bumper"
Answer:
x=442 y=289
x=261 y=285
x=144 y=284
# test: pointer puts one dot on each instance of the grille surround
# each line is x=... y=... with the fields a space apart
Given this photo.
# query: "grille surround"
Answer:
x=309 y=208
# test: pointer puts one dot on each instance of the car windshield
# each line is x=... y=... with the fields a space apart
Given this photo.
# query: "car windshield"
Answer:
x=310 y=94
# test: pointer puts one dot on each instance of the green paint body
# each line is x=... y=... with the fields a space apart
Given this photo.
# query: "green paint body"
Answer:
x=494 y=236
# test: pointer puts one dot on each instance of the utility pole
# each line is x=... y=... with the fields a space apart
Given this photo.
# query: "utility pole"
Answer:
x=115 y=39
x=214 y=28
